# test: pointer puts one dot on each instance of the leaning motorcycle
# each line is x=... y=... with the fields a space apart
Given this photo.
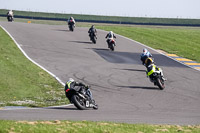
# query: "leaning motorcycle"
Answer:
x=158 y=79
x=10 y=18
x=111 y=44
x=71 y=26
x=80 y=97
x=93 y=38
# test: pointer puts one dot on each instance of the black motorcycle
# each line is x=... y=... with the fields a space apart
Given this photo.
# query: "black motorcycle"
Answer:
x=71 y=26
x=93 y=37
x=111 y=44
x=80 y=97
x=10 y=18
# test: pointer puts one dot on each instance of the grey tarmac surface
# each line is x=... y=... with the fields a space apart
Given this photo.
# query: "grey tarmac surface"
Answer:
x=118 y=80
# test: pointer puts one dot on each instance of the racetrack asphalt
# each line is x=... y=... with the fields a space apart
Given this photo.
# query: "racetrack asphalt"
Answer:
x=118 y=79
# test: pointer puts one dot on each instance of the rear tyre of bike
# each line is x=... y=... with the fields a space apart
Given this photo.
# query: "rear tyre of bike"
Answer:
x=9 y=19
x=160 y=83
x=112 y=47
x=78 y=102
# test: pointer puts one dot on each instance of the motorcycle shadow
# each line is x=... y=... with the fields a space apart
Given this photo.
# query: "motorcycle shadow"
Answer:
x=140 y=87
x=82 y=42
x=63 y=108
x=136 y=70
x=62 y=30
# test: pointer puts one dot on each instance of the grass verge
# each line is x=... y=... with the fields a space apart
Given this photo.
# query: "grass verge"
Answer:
x=117 y=19
x=183 y=41
x=90 y=127
x=24 y=83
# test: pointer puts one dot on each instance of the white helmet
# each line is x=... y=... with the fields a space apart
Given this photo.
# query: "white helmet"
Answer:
x=71 y=80
x=110 y=32
x=145 y=51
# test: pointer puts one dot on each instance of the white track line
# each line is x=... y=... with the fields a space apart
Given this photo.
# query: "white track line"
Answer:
x=18 y=45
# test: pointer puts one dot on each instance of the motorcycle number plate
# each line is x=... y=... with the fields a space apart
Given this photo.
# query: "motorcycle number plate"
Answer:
x=87 y=104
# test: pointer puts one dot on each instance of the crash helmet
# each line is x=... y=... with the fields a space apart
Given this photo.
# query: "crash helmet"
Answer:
x=149 y=61
x=70 y=80
x=110 y=32
x=145 y=51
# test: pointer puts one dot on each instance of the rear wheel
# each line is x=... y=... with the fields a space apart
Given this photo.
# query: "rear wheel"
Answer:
x=112 y=47
x=160 y=83
x=78 y=102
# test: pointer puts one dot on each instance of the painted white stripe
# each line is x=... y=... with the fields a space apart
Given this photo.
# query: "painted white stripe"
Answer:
x=18 y=45
x=37 y=65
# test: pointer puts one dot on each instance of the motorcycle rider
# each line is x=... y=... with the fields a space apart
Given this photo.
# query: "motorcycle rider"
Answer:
x=146 y=54
x=151 y=68
x=110 y=36
x=71 y=84
x=91 y=31
x=71 y=21
x=10 y=13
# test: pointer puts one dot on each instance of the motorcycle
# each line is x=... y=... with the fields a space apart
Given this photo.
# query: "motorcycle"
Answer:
x=111 y=44
x=10 y=18
x=93 y=38
x=71 y=26
x=80 y=97
x=158 y=79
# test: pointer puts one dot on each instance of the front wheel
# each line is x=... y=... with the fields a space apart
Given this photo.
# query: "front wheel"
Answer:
x=71 y=28
x=94 y=40
x=160 y=83
x=78 y=102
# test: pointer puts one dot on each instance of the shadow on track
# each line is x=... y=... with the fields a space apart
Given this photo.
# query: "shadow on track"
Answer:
x=140 y=87
x=134 y=58
x=62 y=30
x=62 y=108
x=82 y=42
x=135 y=70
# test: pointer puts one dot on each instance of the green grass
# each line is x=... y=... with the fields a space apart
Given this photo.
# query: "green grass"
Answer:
x=106 y=18
x=21 y=80
x=183 y=41
x=89 y=127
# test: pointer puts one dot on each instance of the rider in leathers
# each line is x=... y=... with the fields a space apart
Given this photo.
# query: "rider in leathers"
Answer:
x=71 y=84
x=151 y=68
x=91 y=31
x=110 y=36
x=71 y=20
x=146 y=54
x=10 y=13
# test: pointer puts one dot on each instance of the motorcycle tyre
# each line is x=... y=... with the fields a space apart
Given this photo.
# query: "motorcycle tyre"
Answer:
x=160 y=84
x=112 y=47
x=76 y=102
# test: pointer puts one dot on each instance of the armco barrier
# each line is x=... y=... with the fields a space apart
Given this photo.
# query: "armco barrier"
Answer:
x=101 y=21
